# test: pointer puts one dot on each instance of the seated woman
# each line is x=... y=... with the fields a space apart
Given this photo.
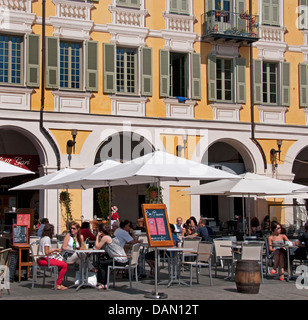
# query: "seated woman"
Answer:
x=114 y=250
x=279 y=254
x=45 y=249
x=74 y=241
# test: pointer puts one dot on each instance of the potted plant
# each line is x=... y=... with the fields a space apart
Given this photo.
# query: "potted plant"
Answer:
x=103 y=202
x=65 y=200
x=153 y=194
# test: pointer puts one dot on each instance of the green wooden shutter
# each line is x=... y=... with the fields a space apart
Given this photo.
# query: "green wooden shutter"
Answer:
x=302 y=14
x=275 y=12
x=146 y=71
x=134 y=3
x=195 y=76
x=241 y=80
x=52 y=62
x=211 y=70
x=109 y=68
x=286 y=81
x=91 y=65
x=33 y=60
x=303 y=84
x=257 y=78
x=164 y=64
x=184 y=7
x=174 y=6
x=266 y=12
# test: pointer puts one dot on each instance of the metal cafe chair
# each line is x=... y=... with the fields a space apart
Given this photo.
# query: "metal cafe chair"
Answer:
x=223 y=253
x=34 y=256
x=131 y=266
x=203 y=259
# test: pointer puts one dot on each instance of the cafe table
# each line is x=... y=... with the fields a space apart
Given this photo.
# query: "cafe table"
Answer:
x=84 y=257
x=174 y=263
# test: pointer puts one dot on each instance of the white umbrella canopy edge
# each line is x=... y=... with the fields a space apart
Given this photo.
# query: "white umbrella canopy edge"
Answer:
x=40 y=182
x=164 y=166
x=9 y=170
x=78 y=179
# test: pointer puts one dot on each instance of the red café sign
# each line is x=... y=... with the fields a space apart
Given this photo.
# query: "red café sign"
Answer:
x=28 y=162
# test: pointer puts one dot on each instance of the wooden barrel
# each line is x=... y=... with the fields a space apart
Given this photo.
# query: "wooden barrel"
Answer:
x=247 y=276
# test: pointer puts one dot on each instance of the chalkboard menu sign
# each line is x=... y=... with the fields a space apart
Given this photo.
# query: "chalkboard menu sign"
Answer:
x=20 y=235
x=157 y=225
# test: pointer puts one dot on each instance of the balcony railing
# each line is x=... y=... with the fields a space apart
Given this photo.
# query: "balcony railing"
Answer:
x=230 y=25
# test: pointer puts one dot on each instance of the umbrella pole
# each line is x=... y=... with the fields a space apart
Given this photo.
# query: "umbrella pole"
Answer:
x=243 y=205
x=67 y=211
x=109 y=199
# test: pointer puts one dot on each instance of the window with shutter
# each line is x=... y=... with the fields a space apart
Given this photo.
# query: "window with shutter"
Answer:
x=257 y=76
x=179 y=7
x=70 y=65
x=126 y=72
x=224 y=80
x=211 y=68
x=11 y=60
x=271 y=12
x=270 y=83
x=178 y=74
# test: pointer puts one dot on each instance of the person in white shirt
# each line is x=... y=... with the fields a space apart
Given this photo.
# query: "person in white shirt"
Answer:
x=125 y=233
x=178 y=225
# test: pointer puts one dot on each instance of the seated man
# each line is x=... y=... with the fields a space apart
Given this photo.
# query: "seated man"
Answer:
x=178 y=226
x=202 y=230
x=125 y=233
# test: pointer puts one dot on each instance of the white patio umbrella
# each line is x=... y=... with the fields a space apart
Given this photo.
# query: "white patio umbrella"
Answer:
x=40 y=183
x=158 y=166
x=251 y=185
x=8 y=170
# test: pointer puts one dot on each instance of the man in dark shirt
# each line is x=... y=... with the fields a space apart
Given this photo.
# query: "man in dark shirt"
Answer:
x=202 y=230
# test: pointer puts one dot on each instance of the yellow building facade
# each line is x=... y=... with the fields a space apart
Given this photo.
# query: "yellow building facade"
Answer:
x=216 y=81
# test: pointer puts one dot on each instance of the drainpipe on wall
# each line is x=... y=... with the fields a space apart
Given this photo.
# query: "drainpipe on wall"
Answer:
x=42 y=128
x=252 y=101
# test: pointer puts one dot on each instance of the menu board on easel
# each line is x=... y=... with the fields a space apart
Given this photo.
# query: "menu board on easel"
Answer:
x=20 y=235
x=157 y=225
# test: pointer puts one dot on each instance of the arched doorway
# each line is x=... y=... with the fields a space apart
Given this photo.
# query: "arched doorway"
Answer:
x=122 y=147
x=17 y=145
x=228 y=155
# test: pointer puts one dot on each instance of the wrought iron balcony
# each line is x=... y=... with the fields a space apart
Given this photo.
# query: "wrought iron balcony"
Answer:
x=227 y=25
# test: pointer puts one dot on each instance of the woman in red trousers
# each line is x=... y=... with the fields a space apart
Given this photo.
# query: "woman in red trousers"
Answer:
x=45 y=249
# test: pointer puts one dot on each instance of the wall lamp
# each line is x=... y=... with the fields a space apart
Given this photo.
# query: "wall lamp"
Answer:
x=179 y=147
x=71 y=143
x=274 y=152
